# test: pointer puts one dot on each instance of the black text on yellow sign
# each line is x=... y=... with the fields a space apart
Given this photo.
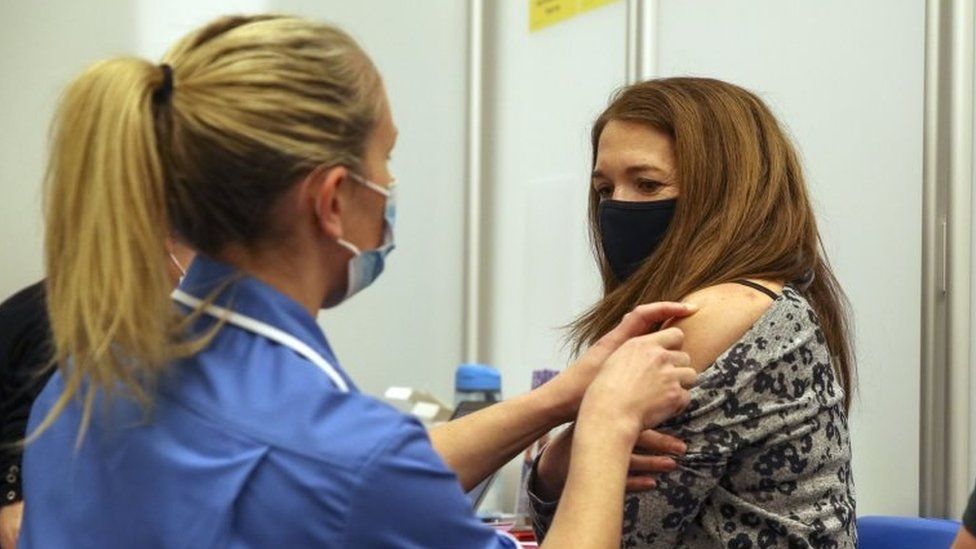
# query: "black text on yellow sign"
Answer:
x=543 y=13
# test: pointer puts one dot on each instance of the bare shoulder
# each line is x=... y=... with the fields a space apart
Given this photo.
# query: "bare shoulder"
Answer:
x=725 y=313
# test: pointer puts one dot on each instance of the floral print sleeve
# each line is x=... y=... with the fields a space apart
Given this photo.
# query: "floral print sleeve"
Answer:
x=768 y=462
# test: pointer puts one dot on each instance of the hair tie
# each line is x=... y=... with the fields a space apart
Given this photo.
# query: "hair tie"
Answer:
x=165 y=90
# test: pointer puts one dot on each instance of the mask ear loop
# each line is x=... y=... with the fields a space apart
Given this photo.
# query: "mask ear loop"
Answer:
x=376 y=187
x=385 y=191
x=178 y=266
x=345 y=244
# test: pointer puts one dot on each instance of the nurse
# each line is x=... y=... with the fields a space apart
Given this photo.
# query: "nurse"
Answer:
x=218 y=416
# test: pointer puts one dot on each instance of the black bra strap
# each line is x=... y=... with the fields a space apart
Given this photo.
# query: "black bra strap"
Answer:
x=773 y=295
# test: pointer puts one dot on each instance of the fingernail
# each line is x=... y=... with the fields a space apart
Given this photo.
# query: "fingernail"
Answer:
x=691 y=307
x=680 y=447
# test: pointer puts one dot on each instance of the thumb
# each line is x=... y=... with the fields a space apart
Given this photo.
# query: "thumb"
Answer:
x=644 y=317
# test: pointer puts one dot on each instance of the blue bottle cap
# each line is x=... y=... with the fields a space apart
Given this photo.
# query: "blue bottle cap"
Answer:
x=477 y=377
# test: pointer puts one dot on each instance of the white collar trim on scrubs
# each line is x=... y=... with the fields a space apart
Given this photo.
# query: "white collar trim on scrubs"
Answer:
x=265 y=330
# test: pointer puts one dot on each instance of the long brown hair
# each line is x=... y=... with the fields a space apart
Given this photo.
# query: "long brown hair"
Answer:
x=742 y=212
x=256 y=104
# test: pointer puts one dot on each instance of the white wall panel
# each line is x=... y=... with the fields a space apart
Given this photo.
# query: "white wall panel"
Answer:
x=43 y=46
x=847 y=79
x=406 y=329
x=543 y=92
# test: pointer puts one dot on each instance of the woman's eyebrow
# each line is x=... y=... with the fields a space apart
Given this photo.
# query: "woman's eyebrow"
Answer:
x=644 y=168
x=631 y=170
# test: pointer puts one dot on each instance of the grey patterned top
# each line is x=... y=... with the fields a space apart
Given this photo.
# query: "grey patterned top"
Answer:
x=769 y=460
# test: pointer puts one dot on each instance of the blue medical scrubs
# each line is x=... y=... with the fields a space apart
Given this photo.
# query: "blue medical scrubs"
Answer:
x=249 y=443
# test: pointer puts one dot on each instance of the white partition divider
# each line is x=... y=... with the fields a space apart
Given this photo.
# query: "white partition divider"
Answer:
x=850 y=91
x=543 y=91
x=960 y=196
x=407 y=329
x=494 y=156
x=160 y=24
x=475 y=194
x=947 y=289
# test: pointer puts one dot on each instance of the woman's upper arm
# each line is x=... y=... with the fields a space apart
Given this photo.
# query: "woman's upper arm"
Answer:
x=726 y=312
x=659 y=517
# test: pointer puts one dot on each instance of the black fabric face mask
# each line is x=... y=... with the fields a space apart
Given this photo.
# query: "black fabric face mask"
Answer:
x=631 y=231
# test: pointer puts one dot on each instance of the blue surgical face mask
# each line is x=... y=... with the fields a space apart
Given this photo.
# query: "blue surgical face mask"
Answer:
x=365 y=266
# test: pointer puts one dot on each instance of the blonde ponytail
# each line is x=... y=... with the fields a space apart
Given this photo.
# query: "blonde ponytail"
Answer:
x=106 y=226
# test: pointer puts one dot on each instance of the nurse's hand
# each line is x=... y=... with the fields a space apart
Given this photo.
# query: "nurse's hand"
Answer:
x=571 y=385
x=510 y=426
x=641 y=384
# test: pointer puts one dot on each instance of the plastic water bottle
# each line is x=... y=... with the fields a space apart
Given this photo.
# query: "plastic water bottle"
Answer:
x=480 y=383
x=477 y=382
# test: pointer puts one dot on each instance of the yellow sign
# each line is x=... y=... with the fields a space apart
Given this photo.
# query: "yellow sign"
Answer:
x=587 y=5
x=543 y=13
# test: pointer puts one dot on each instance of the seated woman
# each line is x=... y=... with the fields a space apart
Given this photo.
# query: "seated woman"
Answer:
x=697 y=194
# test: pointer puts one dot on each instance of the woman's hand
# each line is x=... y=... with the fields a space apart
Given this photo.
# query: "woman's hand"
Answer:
x=652 y=455
x=569 y=387
x=641 y=384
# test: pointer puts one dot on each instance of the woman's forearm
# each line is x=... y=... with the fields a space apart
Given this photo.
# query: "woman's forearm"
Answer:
x=590 y=511
x=478 y=444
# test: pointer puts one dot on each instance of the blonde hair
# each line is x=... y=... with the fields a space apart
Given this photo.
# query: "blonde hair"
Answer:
x=257 y=103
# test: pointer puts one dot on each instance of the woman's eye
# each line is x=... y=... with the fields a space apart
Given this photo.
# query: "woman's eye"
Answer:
x=649 y=186
x=604 y=191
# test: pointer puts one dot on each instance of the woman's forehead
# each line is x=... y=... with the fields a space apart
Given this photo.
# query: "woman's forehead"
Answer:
x=631 y=144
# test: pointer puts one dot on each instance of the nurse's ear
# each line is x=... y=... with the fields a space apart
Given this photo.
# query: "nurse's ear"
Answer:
x=324 y=186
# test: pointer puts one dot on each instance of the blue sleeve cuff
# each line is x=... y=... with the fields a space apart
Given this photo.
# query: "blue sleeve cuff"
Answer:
x=508 y=541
